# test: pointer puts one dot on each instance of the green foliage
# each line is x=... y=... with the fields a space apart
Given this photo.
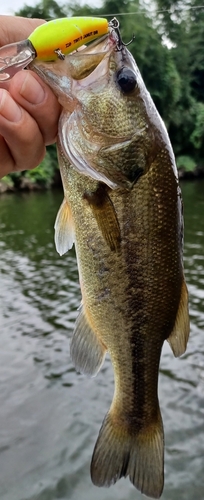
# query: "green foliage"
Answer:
x=186 y=163
x=46 y=9
x=76 y=9
x=7 y=180
x=43 y=174
x=197 y=136
x=196 y=57
x=183 y=23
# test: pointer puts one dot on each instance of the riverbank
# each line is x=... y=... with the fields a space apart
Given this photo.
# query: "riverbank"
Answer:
x=23 y=183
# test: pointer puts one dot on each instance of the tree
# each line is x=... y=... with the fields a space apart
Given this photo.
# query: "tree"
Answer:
x=196 y=54
x=181 y=22
x=169 y=50
x=46 y=9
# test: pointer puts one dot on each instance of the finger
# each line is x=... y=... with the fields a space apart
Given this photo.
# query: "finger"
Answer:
x=6 y=160
x=22 y=146
x=38 y=100
x=14 y=28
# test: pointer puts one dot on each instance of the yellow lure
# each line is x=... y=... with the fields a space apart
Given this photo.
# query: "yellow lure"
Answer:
x=61 y=36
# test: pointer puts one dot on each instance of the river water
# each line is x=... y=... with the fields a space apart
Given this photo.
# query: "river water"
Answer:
x=50 y=415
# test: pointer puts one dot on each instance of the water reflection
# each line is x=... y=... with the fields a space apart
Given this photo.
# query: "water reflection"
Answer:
x=50 y=416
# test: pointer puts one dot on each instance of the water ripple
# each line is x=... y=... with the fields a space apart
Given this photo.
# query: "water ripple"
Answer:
x=50 y=415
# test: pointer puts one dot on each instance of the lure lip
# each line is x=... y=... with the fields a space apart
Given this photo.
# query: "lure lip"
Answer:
x=14 y=57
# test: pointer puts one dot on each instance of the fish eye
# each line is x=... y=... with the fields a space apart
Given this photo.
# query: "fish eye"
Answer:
x=126 y=79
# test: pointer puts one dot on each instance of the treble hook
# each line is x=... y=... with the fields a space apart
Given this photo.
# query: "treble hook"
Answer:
x=114 y=24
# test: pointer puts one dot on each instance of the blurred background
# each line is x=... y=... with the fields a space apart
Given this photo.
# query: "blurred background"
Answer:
x=169 y=50
x=50 y=415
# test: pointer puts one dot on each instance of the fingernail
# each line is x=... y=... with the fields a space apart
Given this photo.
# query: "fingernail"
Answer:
x=9 y=109
x=31 y=90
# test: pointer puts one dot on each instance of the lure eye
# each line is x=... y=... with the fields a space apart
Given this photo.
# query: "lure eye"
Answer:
x=126 y=79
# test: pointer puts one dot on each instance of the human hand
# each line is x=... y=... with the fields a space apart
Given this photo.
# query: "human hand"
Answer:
x=29 y=111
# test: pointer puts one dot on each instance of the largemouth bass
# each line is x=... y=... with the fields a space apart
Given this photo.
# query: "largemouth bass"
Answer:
x=123 y=208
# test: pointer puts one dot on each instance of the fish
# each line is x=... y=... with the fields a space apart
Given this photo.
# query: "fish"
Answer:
x=123 y=210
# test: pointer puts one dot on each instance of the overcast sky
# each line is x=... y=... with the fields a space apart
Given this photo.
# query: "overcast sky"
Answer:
x=11 y=6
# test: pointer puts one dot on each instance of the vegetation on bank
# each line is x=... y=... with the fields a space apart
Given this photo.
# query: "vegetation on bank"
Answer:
x=169 y=50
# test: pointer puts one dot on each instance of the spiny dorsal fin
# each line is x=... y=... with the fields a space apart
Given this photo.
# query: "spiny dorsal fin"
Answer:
x=64 y=229
x=179 y=336
x=86 y=349
x=105 y=215
x=121 y=453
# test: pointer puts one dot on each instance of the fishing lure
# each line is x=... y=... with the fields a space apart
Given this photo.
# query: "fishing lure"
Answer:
x=61 y=36
x=50 y=41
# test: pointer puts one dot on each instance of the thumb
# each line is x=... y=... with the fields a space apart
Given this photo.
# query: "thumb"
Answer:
x=14 y=28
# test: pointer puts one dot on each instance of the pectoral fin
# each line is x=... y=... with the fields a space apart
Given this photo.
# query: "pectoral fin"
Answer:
x=86 y=349
x=179 y=336
x=105 y=215
x=64 y=229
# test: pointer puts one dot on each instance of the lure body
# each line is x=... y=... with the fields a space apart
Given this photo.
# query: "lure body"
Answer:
x=50 y=41
x=62 y=36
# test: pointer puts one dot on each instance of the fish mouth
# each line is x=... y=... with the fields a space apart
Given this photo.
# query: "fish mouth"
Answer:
x=80 y=70
x=82 y=67
x=77 y=65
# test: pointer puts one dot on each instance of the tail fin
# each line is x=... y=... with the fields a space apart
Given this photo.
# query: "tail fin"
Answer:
x=118 y=453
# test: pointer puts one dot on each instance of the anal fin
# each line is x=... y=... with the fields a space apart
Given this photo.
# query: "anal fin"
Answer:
x=179 y=336
x=86 y=349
